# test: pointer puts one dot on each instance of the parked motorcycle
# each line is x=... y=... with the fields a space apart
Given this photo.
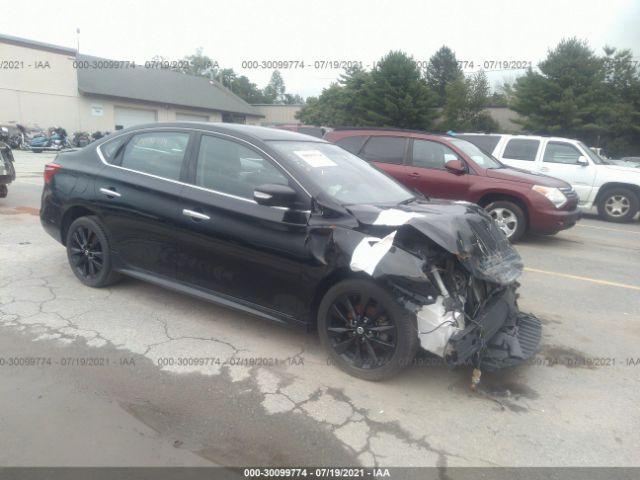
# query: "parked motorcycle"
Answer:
x=7 y=171
x=21 y=139
x=55 y=141
x=81 y=139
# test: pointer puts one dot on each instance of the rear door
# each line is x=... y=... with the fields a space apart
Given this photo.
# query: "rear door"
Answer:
x=560 y=160
x=139 y=196
x=388 y=153
x=428 y=175
x=520 y=153
x=230 y=245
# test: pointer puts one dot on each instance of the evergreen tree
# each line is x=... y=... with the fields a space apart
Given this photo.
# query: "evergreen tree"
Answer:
x=442 y=70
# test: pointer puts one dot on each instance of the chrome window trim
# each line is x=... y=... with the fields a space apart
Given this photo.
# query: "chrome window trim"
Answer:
x=210 y=132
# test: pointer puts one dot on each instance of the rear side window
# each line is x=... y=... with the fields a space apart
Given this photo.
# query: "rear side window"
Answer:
x=560 y=152
x=384 y=150
x=428 y=154
x=110 y=149
x=483 y=142
x=521 y=149
x=352 y=144
x=157 y=153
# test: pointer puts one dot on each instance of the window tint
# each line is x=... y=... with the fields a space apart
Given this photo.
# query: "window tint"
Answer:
x=352 y=144
x=157 y=153
x=110 y=149
x=557 y=152
x=521 y=149
x=231 y=168
x=384 y=149
x=429 y=154
x=484 y=142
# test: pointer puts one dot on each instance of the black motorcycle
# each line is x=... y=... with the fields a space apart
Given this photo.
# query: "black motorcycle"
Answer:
x=7 y=171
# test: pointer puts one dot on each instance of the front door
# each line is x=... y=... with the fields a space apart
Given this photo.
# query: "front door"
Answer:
x=428 y=175
x=229 y=244
x=560 y=160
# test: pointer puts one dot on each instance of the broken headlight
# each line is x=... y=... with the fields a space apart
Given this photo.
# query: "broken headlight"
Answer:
x=554 y=195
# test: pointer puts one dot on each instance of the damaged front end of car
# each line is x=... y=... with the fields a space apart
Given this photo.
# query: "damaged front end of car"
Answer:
x=447 y=263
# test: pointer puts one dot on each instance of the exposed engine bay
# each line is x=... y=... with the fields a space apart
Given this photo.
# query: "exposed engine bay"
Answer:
x=455 y=270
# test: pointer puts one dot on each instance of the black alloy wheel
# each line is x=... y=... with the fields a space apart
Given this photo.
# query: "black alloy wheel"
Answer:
x=365 y=331
x=88 y=253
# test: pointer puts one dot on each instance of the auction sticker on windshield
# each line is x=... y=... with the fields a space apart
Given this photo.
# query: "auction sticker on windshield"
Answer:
x=315 y=158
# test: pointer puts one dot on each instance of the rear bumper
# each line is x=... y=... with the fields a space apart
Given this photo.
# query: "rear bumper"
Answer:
x=553 y=221
x=501 y=336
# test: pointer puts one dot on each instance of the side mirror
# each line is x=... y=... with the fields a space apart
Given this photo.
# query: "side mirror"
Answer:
x=272 y=195
x=582 y=160
x=456 y=166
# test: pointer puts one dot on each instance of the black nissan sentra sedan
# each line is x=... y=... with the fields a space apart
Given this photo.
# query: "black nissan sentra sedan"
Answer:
x=296 y=230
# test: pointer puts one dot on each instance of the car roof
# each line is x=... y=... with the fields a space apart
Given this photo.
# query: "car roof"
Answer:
x=342 y=132
x=523 y=136
x=247 y=132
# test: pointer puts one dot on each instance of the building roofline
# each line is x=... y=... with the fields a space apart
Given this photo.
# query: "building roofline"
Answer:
x=24 y=42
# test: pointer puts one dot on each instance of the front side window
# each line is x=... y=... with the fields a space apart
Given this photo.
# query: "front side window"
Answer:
x=521 y=149
x=428 y=154
x=229 y=167
x=560 y=152
x=157 y=153
x=340 y=174
x=480 y=157
x=384 y=150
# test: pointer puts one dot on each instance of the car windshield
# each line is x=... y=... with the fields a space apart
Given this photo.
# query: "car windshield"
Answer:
x=481 y=158
x=340 y=174
x=597 y=159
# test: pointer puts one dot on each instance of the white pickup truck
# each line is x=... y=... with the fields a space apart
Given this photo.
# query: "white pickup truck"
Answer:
x=613 y=189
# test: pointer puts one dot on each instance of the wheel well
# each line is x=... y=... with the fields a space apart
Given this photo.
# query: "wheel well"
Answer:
x=494 y=197
x=69 y=217
x=324 y=286
x=610 y=185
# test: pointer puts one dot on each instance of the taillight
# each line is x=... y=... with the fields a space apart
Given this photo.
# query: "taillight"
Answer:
x=50 y=169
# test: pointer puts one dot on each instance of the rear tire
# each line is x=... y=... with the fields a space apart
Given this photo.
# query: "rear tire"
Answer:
x=374 y=338
x=509 y=218
x=89 y=253
x=618 y=204
x=4 y=191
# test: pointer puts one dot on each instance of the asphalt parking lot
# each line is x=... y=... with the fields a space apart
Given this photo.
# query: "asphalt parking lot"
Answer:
x=97 y=380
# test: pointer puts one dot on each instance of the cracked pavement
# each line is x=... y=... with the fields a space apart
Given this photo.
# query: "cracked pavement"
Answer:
x=191 y=383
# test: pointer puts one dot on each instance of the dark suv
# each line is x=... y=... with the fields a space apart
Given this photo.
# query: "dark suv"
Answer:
x=297 y=230
x=447 y=167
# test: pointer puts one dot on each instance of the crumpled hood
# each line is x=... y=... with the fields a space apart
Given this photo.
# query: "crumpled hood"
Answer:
x=462 y=228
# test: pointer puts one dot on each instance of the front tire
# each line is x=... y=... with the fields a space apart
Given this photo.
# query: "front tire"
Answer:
x=509 y=218
x=364 y=330
x=618 y=204
x=89 y=253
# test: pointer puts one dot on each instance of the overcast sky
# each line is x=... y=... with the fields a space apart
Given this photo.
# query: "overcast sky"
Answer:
x=233 y=31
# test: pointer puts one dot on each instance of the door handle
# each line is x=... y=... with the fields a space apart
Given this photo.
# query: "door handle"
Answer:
x=109 y=192
x=414 y=174
x=195 y=215
x=544 y=169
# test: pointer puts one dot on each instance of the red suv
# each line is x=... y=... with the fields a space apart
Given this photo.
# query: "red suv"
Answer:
x=443 y=166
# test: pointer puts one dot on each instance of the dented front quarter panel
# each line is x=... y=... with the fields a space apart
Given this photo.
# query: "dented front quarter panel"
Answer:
x=372 y=241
